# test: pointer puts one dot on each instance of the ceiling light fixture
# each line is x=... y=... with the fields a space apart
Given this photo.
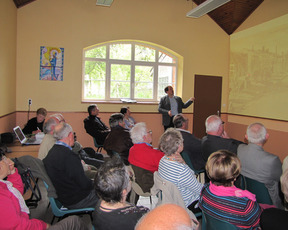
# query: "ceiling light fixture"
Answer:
x=205 y=8
x=104 y=2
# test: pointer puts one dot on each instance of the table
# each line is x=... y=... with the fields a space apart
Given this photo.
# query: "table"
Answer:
x=18 y=150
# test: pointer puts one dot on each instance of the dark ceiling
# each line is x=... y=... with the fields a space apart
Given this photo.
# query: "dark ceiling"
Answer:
x=229 y=16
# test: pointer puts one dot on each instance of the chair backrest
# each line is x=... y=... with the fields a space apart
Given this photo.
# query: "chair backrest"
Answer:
x=136 y=187
x=55 y=204
x=98 y=146
x=259 y=189
x=168 y=192
x=186 y=158
x=211 y=223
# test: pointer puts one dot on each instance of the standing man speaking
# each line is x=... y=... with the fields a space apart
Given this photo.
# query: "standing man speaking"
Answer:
x=170 y=106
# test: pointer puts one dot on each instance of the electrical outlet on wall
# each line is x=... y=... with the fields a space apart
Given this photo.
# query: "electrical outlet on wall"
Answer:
x=29 y=101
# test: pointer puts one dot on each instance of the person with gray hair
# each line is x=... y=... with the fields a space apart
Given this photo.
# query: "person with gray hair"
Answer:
x=143 y=158
x=118 y=140
x=48 y=140
x=170 y=169
x=192 y=145
x=258 y=164
x=64 y=168
x=217 y=138
x=112 y=185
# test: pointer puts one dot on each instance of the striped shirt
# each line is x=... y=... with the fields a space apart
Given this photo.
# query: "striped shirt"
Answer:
x=239 y=211
x=183 y=177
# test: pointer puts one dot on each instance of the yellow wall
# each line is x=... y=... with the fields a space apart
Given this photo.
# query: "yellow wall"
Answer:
x=76 y=24
x=8 y=19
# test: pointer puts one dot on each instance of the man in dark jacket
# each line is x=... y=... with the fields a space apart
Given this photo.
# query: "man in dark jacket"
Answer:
x=170 y=106
x=94 y=126
x=118 y=140
x=217 y=138
x=192 y=145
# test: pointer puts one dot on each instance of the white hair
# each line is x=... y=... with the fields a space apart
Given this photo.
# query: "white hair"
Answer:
x=138 y=132
x=256 y=133
x=48 y=125
x=213 y=123
x=63 y=131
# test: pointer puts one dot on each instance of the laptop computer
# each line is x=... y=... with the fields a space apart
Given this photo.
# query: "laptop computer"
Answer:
x=24 y=140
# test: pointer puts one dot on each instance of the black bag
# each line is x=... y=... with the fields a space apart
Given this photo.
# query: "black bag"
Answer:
x=30 y=183
x=6 y=138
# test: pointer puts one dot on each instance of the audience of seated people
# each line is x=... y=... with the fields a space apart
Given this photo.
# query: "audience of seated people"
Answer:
x=14 y=212
x=217 y=138
x=65 y=169
x=258 y=164
x=118 y=140
x=129 y=121
x=221 y=199
x=35 y=125
x=112 y=185
x=274 y=218
x=94 y=126
x=168 y=217
x=143 y=158
x=192 y=145
x=173 y=168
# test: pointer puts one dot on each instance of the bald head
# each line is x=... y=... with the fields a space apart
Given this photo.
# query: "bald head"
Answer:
x=166 y=216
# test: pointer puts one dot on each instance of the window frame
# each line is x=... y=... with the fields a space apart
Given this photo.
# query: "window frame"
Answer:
x=132 y=63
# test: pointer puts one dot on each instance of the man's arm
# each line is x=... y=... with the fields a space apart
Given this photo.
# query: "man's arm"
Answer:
x=276 y=168
x=187 y=103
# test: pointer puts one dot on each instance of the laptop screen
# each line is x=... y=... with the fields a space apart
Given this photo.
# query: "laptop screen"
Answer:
x=19 y=133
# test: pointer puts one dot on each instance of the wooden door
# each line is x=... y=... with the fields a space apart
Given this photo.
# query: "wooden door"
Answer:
x=207 y=93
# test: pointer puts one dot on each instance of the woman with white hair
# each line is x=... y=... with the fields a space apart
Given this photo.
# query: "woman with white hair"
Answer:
x=171 y=143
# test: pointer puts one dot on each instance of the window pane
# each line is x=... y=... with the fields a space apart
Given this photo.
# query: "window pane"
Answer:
x=120 y=81
x=166 y=76
x=165 y=58
x=143 y=53
x=120 y=51
x=99 y=52
x=144 y=90
x=94 y=80
x=144 y=73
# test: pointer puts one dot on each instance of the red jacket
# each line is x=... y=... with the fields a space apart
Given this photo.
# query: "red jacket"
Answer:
x=11 y=216
x=144 y=156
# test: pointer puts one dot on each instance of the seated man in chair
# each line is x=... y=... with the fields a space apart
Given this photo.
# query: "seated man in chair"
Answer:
x=74 y=189
x=118 y=141
x=94 y=126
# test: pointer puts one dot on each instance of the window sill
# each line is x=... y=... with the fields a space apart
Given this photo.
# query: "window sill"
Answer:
x=119 y=102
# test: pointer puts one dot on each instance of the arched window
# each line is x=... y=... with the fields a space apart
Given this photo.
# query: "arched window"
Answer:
x=129 y=71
